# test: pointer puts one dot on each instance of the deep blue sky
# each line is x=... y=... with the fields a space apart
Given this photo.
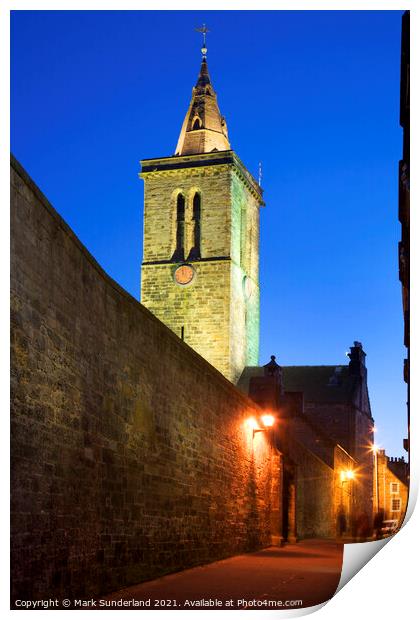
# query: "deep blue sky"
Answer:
x=314 y=95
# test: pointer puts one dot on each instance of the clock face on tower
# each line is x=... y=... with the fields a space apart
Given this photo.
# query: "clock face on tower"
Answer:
x=184 y=275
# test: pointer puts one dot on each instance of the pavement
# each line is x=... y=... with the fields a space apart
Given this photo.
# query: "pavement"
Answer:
x=292 y=576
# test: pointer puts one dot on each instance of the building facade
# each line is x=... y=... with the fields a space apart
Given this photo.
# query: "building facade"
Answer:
x=390 y=488
x=326 y=433
x=200 y=270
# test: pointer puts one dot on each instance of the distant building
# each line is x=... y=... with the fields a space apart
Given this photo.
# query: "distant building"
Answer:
x=326 y=434
x=391 y=487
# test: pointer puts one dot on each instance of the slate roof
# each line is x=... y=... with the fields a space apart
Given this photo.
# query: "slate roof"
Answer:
x=320 y=384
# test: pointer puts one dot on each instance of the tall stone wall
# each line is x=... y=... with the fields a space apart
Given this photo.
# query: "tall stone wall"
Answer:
x=321 y=493
x=315 y=489
x=346 y=491
x=352 y=429
x=365 y=462
x=131 y=456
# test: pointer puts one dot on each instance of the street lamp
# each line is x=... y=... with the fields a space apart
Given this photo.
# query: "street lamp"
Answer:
x=266 y=422
x=346 y=475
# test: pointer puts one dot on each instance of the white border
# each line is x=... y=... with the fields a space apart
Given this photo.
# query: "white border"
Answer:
x=386 y=587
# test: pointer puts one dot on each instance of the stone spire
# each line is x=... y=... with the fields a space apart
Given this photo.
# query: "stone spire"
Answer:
x=204 y=129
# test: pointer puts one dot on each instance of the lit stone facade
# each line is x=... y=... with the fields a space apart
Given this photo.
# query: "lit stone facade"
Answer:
x=217 y=312
x=391 y=487
x=325 y=430
x=201 y=239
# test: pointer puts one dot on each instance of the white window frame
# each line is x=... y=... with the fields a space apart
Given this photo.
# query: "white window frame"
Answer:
x=396 y=499
x=397 y=485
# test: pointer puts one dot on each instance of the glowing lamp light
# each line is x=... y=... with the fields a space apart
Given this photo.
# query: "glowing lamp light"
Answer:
x=347 y=475
x=267 y=419
x=252 y=423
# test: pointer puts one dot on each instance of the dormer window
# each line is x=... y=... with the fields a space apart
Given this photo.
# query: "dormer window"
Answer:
x=196 y=123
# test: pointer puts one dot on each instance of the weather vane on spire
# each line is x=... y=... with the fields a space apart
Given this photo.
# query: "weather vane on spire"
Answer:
x=204 y=30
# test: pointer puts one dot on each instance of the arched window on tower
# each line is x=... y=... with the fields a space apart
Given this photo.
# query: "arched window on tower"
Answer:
x=196 y=124
x=179 y=253
x=196 y=217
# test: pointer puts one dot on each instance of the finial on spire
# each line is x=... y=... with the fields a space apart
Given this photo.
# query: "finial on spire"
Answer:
x=204 y=30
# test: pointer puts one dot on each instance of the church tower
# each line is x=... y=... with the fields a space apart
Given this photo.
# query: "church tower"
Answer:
x=200 y=271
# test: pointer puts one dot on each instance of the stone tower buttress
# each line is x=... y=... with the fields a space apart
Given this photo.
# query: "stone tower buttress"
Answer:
x=201 y=235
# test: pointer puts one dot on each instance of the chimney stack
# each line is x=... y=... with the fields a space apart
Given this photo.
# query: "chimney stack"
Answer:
x=357 y=367
x=268 y=390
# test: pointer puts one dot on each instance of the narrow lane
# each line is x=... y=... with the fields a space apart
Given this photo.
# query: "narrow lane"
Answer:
x=299 y=575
